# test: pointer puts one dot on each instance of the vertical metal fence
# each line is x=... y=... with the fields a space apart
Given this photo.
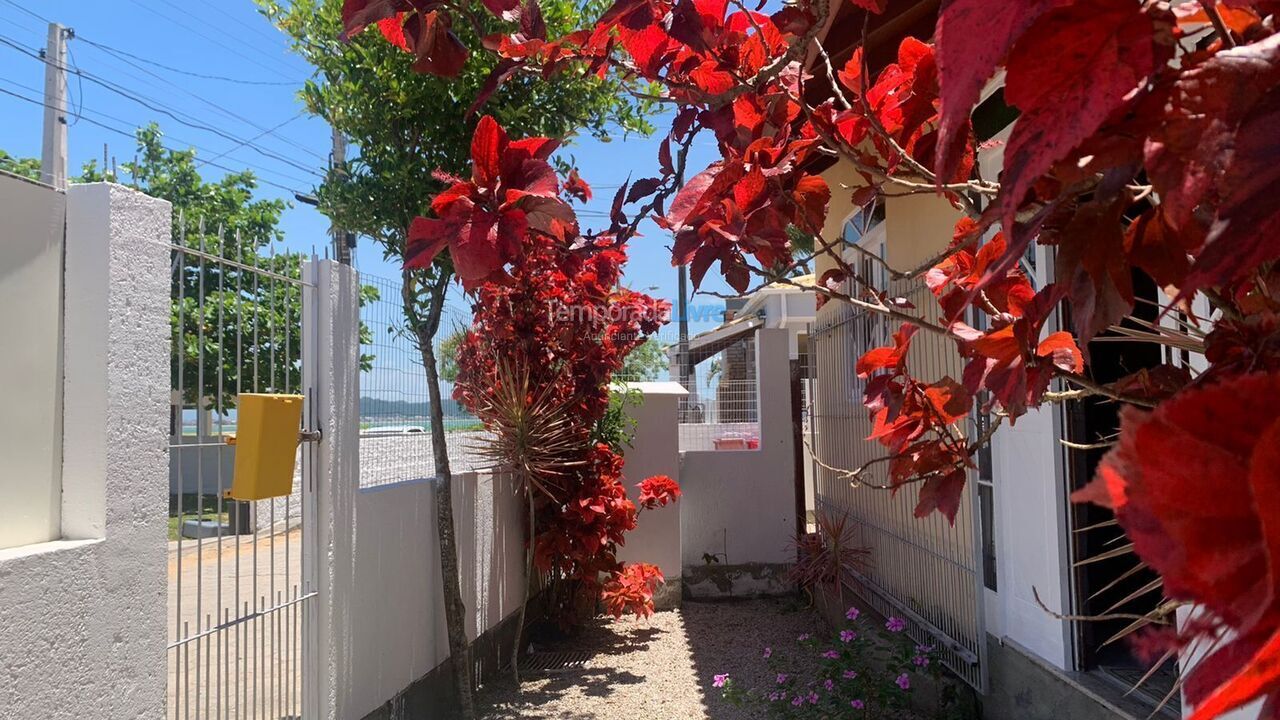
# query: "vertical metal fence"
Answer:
x=239 y=604
x=926 y=571
x=722 y=410
x=395 y=421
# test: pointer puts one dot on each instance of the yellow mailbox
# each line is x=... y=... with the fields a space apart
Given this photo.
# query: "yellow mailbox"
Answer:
x=266 y=440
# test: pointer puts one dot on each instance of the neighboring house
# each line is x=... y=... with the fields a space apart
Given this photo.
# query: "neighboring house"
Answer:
x=995 y=591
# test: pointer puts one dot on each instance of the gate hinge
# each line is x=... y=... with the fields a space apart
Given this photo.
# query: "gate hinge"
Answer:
x=310 y=436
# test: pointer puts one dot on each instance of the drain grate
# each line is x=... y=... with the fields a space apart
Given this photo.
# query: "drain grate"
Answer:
x=554 y=662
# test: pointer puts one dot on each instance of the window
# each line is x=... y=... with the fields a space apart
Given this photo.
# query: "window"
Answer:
x=862 y=222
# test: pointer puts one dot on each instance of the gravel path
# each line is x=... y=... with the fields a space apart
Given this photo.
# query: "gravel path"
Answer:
x=660 y=668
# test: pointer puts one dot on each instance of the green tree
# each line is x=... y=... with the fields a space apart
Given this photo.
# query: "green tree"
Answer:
x=403 y=128
x=448 y=352
x=26 y=167
x=646 y=362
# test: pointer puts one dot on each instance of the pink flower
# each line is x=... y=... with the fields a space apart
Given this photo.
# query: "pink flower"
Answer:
x=768 y=652
x=847 y=636
x=896 y=624
x=831 y=654
x=857 y=704
x=720 y=680
x=782 y=677
x=903 y=681
x=803 y=637
x=797 y=701
x=920 y=661
x=813 y=698
x=850 y=674
x=775 y=695
x=852 y=613
x=829 y=684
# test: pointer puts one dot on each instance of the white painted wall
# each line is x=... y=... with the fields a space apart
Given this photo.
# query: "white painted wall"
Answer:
x=655 y=450
x=394 y=607
x=381 y=608
x=742 y=503
x=31 y=363
x=82 y=631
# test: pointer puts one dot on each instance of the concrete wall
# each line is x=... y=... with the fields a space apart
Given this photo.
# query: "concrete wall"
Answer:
x=31 y=364
x=394 y=606
x=739 y=506
x=381 y=628
x=82 y=630
x=655 y=451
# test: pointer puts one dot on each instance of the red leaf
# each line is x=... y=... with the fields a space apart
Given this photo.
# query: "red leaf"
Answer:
x=1188 y=153
x=1195 y=485
x=1069 y=71
x=1093 y=266
x=487 y=146
x=1163 y=252
x=643 y=187
x=972 y=39
x=438 y=51
x=505 y=9
x=392 y=29
x=577 y=187
x=427 y=237
x=890 y=358
x=691 y=196
x=812 y=196
x=941 y=493
x=1246 y=232
x=356 y=14
x=1260 y=677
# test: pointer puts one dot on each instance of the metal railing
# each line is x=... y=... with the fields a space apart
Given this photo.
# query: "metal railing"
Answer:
x=395 y=421
x=722 y=410
x=239 y=604
x=926 y=571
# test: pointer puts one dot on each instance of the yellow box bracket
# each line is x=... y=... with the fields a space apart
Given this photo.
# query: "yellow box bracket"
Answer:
x=266 y=440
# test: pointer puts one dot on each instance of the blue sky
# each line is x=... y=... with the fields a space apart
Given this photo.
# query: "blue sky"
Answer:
x=230 y=39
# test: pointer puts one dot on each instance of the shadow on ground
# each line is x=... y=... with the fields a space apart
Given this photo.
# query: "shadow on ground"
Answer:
x=656 y=669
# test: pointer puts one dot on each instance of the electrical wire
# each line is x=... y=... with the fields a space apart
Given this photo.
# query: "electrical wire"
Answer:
x=239 y=81
x=131 y=124
x=156 y=106
x=131 y=136
x=216 y=107
x=215 y=41
x=35 y=15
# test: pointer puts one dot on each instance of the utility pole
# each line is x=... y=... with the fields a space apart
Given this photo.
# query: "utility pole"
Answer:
x=344 y=243
x=53 y=155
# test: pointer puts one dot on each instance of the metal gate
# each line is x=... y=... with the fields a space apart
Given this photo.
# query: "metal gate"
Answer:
x=241 y=575
x=925 y=571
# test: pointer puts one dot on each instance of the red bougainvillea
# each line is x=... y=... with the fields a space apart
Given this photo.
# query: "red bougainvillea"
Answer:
x=1142 y=146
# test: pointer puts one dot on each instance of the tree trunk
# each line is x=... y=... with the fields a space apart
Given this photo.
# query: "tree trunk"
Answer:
x=454 y=610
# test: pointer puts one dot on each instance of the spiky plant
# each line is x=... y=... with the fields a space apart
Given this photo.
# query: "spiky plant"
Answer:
x=531 y=432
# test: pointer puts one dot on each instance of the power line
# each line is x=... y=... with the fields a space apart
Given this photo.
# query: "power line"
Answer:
x=215 y=106
x=215 y=41
x=131 y=124
x=129 y=135
x=259 y=135
x=35 y=15
x=156 y=106
x=170 y=68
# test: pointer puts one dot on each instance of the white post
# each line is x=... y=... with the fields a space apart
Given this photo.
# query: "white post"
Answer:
x=331 y=369
x=53 y=155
